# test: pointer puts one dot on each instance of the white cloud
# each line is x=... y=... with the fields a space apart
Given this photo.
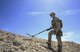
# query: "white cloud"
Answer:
x=36 y=13
x=64 y=12
x=67 y=36
x=67 y=12
x=70 y=12
x=71 y=36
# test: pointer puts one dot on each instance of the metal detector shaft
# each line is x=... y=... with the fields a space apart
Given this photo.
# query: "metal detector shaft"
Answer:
x=36 y=34
x=39 y=32
x=43 y=31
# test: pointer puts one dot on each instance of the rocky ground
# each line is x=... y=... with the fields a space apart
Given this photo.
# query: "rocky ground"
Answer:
x=10 y=42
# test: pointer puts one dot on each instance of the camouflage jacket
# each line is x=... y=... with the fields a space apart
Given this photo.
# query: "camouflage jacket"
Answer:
x=56 y=23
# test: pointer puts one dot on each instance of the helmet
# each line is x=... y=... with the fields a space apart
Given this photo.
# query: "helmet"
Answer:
x=52 y=13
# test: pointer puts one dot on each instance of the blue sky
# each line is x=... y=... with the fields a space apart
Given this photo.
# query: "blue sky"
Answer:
x=32 y=16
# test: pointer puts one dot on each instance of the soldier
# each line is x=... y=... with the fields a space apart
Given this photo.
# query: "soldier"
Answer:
x=56 y=25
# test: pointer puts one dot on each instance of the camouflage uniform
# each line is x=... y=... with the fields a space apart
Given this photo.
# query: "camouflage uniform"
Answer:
x=56 y=30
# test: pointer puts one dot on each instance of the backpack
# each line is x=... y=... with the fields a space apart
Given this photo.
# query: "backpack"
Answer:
x=54 y=23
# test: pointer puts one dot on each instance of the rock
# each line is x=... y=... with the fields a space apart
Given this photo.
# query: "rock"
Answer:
x=1 y=50
x=16 y=48
x=10 y=42
x=23 y=48
x=8 y=50
x=1 y=39
x=16 y=43
x=19 y=50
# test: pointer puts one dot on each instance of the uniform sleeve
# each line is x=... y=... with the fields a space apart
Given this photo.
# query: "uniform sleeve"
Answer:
x=53 y=24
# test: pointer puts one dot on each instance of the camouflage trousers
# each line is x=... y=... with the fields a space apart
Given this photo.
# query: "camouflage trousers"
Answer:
x=58 y=37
